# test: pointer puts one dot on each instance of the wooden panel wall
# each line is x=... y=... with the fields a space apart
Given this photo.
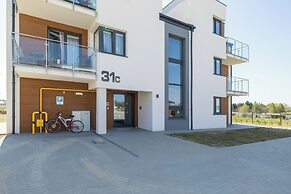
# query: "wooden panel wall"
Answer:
x=29 y=100
x=224 y=108
x=225 y=71
x=39 y=27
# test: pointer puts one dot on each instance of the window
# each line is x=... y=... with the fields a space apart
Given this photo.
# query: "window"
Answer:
x=218 y=27
x=217 y=66
x=119 y=46
x=217 y=105
x=112 y=42
x=107 y=42
x=63 y=48
x=175 y=77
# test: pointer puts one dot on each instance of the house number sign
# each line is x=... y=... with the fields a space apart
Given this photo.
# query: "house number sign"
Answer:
x=110 y=77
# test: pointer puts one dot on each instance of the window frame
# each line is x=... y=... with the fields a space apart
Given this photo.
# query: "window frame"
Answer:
x=181 y=85
x=113 y=43
x=215 y=59
x=220 y=33
x=215 y=105
x=66 y=34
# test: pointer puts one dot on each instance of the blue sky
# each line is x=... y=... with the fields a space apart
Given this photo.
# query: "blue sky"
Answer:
x=265 y=26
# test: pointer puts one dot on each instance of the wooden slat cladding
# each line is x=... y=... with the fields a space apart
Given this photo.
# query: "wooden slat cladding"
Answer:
x=29 y=100
x=39 y=27
x=110 y=109
x=225 y=71
x=224 y=108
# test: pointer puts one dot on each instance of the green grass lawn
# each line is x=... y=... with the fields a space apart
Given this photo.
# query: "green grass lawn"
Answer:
x=2 y=118
x=233 y=138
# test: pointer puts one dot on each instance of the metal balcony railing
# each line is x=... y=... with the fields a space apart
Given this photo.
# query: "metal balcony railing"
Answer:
x=84 y=3
x=237 y=86
x=32 y=50
x=237 y=49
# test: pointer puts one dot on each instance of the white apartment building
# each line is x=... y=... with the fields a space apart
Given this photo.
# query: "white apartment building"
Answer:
x=129 y=63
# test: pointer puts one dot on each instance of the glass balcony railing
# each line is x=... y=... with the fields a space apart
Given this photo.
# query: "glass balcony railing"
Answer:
x=84 y=3
x=31 y=50
x=237 y=86
x=237 y=49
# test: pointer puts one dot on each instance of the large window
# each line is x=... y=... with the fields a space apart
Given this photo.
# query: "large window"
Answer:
x=63 y=48
x=218 y=27
x=112 y=42
x=217 y=105
x=217 y=66
x=175 y=77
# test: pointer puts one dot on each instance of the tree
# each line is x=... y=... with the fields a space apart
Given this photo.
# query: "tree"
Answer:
x=257 y=108
x=271 y=107
x=281 y=108
x=245 y=108
x=249 y=104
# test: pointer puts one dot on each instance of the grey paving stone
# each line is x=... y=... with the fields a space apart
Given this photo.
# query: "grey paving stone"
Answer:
x=137 y=161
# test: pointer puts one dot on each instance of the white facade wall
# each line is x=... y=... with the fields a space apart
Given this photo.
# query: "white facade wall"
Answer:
x=143 y=67
x=207 y=45
x=8 y=61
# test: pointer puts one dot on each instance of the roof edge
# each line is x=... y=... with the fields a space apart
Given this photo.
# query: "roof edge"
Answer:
x=177 y=22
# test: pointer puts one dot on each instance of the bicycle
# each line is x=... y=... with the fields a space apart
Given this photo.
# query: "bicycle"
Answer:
x=75 y=126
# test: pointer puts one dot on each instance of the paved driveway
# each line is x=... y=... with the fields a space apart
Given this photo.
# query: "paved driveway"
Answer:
x=136 y=161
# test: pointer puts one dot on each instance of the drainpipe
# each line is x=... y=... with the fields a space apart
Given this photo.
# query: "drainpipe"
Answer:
x=13 y=69
x=191 y=76
x=231 y=108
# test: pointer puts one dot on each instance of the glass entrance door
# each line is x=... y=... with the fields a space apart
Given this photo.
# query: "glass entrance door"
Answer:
x=123 y=110
x=119 y=110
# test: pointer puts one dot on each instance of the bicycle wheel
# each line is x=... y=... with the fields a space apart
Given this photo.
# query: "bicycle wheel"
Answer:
x=77 y=126
x=53 y=126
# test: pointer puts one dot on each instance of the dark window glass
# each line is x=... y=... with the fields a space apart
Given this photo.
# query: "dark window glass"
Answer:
x=217 y=25
x=107 y=42
x=175 y=73
x=112 y=42
x=63 y=48
x=175 y=78
x=175 y=101
x=217 y=66
x=175 y=48
x=119 y=44
x=217 y=105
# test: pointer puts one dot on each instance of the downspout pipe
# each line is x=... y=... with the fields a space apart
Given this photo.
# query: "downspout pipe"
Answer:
x=191 y=76
x=13 y=67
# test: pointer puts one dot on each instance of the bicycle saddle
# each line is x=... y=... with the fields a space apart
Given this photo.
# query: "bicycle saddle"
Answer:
x=72 y=116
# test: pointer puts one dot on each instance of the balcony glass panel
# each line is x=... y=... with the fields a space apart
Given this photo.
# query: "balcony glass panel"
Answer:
x=85 y=3
x=237 y=49
x=31 y=50
x=238 y=86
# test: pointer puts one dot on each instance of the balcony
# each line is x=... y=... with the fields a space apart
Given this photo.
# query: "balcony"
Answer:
x=237 y=52
x=78 y=13
x=237 y=86
x=91 y=4
x=34 y=51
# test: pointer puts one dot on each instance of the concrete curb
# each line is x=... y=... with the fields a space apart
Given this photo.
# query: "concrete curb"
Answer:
x=2 y=140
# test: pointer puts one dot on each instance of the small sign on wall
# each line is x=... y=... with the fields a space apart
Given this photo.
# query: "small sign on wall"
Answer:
x=60 y=100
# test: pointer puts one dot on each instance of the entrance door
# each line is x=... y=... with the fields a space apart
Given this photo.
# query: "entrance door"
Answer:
x=123 y=110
